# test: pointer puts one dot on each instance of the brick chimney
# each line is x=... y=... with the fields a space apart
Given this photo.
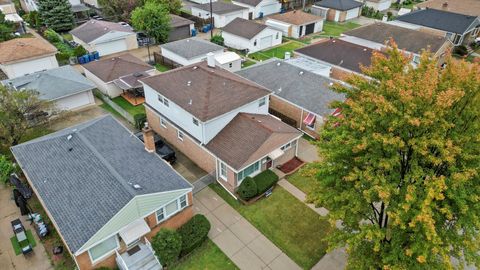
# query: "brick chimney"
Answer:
x=148 y=138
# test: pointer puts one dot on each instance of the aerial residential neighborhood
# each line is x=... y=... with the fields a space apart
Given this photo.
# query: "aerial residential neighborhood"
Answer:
x=242 y=134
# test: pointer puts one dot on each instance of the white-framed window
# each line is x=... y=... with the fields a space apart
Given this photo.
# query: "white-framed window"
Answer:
x=416 y=59
x=277 y=35
x=230 y=65
x=163 y=122
x=180 y=135
x=286 y=146
x=195 y=121
x=312 y=126
x=160 y=98
x=255 y=43
x=165 y=102
x=223 y=170
x=255 y=167
x=262 y=102
x=104 y=249
x=171 y=208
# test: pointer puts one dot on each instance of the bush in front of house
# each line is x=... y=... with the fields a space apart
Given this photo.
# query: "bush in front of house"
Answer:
x=79 y=51
x=193 y=233
x=51 y=36
x=167 y=244
x=218 y=39
x=460 y=50
x=247 y=189
x=140 y=120
x=265 y=180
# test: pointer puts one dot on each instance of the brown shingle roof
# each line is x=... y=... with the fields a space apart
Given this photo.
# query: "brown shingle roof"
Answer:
x=244 y=28
x=19 y=49
x=467 y=7
x=296 y=17
x=109 y=69
x=249 y=137
x=94 y=29
x=205 y=92
x=177 y=21
x=340 y=53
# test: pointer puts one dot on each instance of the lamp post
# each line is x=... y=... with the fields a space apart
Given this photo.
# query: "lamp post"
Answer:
x=211 y=19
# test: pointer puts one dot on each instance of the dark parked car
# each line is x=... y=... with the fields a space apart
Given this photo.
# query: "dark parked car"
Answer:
x=24 y=190
x=162 y=149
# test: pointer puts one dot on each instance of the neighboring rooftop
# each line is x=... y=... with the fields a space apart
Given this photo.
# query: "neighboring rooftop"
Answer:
x=342 y=5
x=296 y=17
x=85 y=174
x=252 y=3
x=109 y=69
x=205 y=92
x=301 y=87
x=5 y=2
x=94 y=29
x=191 y=47
x=467 y=7
x=407 y=39
x=177 y=21
x=339 y=53
x=249 y=137
x=220 y=7
x=53 y=83
x=244 y=28
x=19 y=49
x=439 y=19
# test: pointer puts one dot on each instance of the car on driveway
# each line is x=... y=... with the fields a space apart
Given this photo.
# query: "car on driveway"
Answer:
x=161 y=148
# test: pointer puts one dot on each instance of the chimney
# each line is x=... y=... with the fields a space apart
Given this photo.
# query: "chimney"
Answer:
x=148 y=138
x=211 y=59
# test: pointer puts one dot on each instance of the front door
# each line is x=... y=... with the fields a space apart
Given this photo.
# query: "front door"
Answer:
x=269 y=163
x=300 y=31
x=250 y=15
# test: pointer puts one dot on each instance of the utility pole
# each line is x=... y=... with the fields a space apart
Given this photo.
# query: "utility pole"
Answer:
x=211 y=20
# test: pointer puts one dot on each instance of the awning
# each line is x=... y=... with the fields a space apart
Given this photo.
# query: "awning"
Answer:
x=309 y=119
x=276 y=154
x=14 y=17
x=134 y=231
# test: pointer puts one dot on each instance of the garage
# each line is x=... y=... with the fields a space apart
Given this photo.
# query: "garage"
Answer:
x=111 y=47
x=309 y=29
x=178 y=33
x=265 y=42
x=75 y=101
x=270 y=9
x=352 y=13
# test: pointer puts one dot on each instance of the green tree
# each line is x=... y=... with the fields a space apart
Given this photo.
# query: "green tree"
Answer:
x=56 y=14
x=167 y=244
x=21 y=110
x=400 y=168
x=119 y=10
x=153 y=19
x=6 y=28
x=218 y=39
x=174 y=6
x=6 y=168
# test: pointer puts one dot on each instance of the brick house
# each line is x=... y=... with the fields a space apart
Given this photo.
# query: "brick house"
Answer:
x=302 y=100
x=219 y=120
x=337 y=10
x=105 y=192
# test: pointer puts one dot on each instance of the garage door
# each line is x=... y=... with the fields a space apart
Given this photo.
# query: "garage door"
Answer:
x=352 y=13
x=270 y=9
x=111 y=47
x=75 y=101
x=310 y=29
x=265 y=42
x=179 y=33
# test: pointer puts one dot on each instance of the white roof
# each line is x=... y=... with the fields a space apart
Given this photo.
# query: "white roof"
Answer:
x=134 y=230
x=226 y=57
x=14 y=17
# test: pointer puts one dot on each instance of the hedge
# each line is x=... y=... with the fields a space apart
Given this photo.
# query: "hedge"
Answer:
x=265 y=180
x=193 y=233
x=167 y=245
x=247 y=189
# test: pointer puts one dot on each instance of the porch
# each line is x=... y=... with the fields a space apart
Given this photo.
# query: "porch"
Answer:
x=139 y=257
x=132 y=88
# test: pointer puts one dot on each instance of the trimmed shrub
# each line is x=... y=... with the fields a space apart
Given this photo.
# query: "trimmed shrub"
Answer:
x=460 y=50
x=140 y=120
x=265 y=180
x=167 y=245
x=51 y=36
x=79 y=51
x=217 y=39
x=193 y=233
x=247 y=189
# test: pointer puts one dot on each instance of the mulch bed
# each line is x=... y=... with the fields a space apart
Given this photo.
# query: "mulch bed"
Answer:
x=291 y=165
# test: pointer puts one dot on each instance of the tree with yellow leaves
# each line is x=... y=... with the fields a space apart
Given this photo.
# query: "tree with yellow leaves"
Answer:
x=400 y=168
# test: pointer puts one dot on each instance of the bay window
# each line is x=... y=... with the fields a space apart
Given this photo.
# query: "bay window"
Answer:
x=255 y=167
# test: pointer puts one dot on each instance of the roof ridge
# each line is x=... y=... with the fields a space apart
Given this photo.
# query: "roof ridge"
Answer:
x=236 y=77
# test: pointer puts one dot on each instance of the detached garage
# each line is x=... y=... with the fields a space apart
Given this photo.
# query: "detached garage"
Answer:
x=180 y=28
x=64 y=85
x=296 y=23
x=105 y=37
x=250 y=36
x=259 y=8
x=222 y=13
x=380 y=5
x=337 y=10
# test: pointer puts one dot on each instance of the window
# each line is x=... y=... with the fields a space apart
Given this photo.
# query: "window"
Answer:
x=163 y=123
x=223 y=170
x=160 y=214
x=311 y=126
x=277 y=36
x=286 y=146
x=183 y=201
x=171 y=208
x=180 y=135
x=255 y=43
x=165 y=102
x=262 y=102
x=230 y=65
x=248 y=171
x=416 y=59
x=160 y=98
x=195 y=121
x=103 y=249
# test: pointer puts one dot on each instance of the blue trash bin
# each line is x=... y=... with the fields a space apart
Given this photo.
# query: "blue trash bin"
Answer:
x=86 y=59
x=80 y=60
x=96 y=55
x=194 y=32
x=91 y=57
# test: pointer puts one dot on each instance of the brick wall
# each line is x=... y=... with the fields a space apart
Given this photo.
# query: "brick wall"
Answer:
x=289 y=154
x=190 y=148
x=331 y=14
x=339 y=74
x=343 y=16
x=286 y=109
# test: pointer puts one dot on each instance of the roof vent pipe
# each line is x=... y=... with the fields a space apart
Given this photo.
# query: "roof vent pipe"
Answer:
x=211 y=59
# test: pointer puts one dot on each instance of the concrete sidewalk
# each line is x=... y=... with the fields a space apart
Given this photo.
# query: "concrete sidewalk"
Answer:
x=247 y=247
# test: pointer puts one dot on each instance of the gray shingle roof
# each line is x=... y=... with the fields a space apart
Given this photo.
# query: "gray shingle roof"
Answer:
x=220 y=7
x=94 y=29
x=191 y=47
x=53 y=83
x=439 y=19
x=303 y=88
x=342 y=5
x=86 y=180
x=244 y=28
x=252 y=3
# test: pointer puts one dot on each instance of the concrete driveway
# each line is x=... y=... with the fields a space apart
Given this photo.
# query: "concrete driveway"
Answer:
x=38 y=260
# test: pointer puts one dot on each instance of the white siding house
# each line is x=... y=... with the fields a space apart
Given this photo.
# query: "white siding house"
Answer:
x=380 y=5
x=229 y=61
x=247 y=35
x=28 y=66
x=189 y=51
x=296 y=24
x=223 y=13
x=259 y=8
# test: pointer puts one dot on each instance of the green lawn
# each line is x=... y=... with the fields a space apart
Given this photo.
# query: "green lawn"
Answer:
x=335 y=29
x=278 y=51
x=303 y=179
x=132 y=110
x=67 y=36
x=206 y=257
x=288 y=223
x=162 y=68
x=248 y=63
x=17 y=246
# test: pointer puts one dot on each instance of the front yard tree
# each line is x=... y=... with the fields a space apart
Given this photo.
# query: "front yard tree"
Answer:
x=56 y=14
x=21 y=110
x=119 y=10
x=400 y=168
x=174 y=6
x=153 y=19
